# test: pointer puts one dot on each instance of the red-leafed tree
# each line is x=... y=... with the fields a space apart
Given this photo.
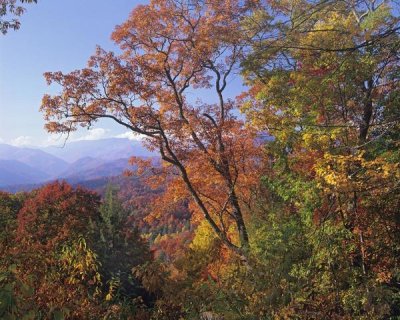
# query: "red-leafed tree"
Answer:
x=67 y=210
x=52 y=252
x=174 y=51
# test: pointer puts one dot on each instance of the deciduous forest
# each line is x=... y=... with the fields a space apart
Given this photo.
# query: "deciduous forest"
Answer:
x=276 y=190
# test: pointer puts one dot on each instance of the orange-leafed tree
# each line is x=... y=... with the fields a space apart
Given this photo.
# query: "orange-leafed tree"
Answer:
x=52 y=253
x=174 y=53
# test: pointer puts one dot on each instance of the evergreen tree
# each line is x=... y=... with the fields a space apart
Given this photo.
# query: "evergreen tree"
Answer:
x=120 y=247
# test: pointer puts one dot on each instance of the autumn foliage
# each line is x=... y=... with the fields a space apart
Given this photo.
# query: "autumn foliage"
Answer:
x=170 y=49
x=53 y=264
x=276 y=199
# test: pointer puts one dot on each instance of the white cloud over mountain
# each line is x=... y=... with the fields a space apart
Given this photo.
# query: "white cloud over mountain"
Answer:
x=130 y=135
x=62 y=139
x=93 y=134
x=22 y=141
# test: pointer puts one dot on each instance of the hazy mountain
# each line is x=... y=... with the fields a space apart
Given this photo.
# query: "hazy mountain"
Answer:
x=81 y=165
x=90 y=168
x=104 y=149
x=97 y=184
x=35 y=158
x=27 y=168
x=86 y=172
x=13 y=172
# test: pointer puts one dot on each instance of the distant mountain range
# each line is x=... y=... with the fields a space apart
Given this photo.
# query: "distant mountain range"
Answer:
x=75 y=162
x=44 y=162
x=16 y=172
x=104 y=149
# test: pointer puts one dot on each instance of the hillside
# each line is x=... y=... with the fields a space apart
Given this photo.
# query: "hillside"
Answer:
x=13 y=172
x=26 y=168
x=35 y=158
x=104 y=149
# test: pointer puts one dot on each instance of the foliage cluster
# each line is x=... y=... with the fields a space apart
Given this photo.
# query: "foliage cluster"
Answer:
x=288 y=212
x=67 y=255
x=10 y=10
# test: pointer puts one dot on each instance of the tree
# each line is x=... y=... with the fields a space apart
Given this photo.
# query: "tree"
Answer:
x=9 y=206
x=327 y=90
x=66 y=255
x=173 y=50
x=119 y=247
x=9 y=13
x=52 y=254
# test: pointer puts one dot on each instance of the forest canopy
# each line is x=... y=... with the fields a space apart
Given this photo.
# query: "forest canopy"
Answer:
x=277 y=198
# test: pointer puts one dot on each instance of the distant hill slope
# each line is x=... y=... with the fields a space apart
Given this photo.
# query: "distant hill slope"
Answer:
x=13 y=172
x=90 y=168
x=35 y=158
x=104 y=149
x=86 y=169
x=24 y=169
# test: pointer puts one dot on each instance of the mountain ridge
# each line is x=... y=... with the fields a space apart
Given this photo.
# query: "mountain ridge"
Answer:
x=76 y=161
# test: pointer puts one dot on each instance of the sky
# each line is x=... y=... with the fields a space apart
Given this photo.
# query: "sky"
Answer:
x=59 y=35
x=55 y=35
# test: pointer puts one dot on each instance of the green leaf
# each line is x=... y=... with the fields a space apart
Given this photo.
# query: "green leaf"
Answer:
x=58 y=315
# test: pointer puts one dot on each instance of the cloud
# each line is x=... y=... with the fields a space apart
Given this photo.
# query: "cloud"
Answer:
x=1 y=140
x=61 y=139
x=54 y=140
x=130 y=135
x=22 y=141
x=93 y=134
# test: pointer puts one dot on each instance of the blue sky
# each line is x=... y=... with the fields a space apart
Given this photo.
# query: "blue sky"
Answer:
x=58 y=35
x=54 y=35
